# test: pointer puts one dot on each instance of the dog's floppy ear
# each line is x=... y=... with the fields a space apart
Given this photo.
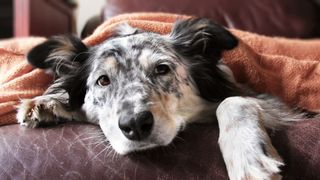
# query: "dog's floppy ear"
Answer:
x=200 y=36
x=200 y=42
x=59 y=54
x=65 y=57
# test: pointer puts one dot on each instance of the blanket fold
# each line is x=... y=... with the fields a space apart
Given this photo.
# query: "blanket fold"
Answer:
x=287 y=68
x=18 y=80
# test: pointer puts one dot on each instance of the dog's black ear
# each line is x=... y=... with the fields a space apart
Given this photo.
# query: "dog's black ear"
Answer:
x=58 y=54
x=200 y=42
x=201 y=37
x=65 y=57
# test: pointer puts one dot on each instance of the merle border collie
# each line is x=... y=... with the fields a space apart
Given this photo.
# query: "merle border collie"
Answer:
x=142 y=88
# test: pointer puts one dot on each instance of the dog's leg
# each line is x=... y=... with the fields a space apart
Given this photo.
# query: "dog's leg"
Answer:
x=244 y=142
x=46 y=110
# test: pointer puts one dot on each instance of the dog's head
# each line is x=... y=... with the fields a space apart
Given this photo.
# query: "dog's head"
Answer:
x=142 y=87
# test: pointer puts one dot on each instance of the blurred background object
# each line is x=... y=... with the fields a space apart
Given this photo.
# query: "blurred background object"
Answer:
x=6 y=18
x=89 y=15
x=22 y=18
x=37 y=17
x=287 y=18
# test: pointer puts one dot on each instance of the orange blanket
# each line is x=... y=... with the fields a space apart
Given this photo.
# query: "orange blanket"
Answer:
x=288 y=68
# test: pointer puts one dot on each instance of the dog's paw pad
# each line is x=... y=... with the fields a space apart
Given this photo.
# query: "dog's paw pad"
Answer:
x=32 y=112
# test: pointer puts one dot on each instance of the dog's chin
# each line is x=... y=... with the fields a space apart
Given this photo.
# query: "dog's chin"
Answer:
x=122 y=145
x=125 y=151
x=133 y=146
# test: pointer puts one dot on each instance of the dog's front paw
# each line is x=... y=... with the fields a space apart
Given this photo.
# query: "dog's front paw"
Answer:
x=263 y=168
x=33 y=112
x=256 y=165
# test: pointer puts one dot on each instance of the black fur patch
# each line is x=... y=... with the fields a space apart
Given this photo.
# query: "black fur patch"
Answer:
x=65 y=57
x=201 y=42
x=39 y=55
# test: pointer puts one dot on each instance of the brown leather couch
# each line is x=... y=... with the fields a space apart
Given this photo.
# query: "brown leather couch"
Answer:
x=77 y=151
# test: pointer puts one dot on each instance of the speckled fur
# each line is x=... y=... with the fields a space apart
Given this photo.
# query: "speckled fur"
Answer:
x=197 y=88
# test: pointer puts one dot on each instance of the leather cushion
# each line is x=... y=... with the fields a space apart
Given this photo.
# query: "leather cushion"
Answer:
x=76 y=151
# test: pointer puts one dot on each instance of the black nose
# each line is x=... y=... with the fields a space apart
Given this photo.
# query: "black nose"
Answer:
x=137 y=127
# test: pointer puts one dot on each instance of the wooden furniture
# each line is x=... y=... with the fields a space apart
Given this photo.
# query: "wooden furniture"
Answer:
x=39 y=17
x=6 y=18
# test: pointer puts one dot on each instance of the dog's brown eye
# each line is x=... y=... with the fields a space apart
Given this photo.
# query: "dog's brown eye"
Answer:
x=103 y=80
x=162 y=69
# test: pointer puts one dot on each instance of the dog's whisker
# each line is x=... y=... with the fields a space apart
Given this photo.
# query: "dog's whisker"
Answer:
x=93 y=133
x=110 y=151
x=114 y=156
x=94 y=138
x=98 y=144
x=104 y=149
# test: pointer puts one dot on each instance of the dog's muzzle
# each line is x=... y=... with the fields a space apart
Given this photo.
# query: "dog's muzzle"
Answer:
x=136 y=127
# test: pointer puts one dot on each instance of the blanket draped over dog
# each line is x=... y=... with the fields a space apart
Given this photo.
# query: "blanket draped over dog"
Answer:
x=287 y=68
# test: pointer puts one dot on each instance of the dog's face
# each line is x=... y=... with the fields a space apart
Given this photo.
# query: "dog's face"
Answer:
x=143 y=87
x=140 y=91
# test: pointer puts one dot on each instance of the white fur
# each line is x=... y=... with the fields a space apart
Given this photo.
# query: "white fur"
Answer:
x=241 y=135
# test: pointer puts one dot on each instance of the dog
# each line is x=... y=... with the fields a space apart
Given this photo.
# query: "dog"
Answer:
x=143 y=88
